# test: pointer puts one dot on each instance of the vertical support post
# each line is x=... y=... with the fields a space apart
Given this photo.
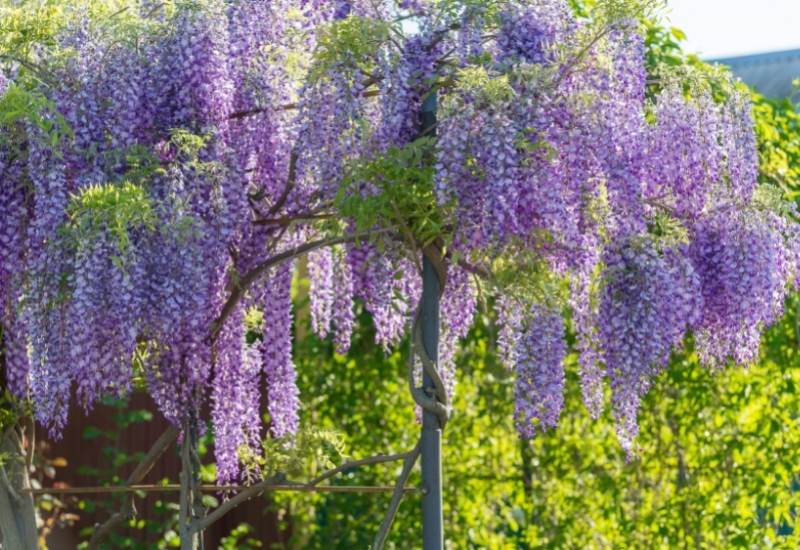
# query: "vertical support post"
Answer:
x=431 y=440
x=191 y=499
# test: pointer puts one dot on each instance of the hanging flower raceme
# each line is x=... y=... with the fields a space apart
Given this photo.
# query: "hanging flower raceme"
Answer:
x=585 y=319
x=650 y=298
x=322 y=292
x=685 y=154
x=235 y=397
x=276 y=350
x=458 y=306
x=540 y=352
x=13 y=213
x=388 y=286
x=530 y=30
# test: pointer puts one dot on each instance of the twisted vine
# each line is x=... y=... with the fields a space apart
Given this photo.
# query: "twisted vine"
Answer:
x=433 y=400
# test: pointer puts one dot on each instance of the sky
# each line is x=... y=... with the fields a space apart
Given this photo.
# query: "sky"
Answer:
x=721 y=28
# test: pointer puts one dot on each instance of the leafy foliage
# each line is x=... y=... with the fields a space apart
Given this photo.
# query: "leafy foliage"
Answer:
x=395 y=190
x=778 y=129
x=20 y=105
x=350 y=40
x=118 y=209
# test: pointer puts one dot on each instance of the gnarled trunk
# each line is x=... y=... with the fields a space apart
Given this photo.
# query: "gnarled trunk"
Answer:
x=17 y=510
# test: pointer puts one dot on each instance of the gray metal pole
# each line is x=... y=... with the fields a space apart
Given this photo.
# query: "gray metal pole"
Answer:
x=431 y=441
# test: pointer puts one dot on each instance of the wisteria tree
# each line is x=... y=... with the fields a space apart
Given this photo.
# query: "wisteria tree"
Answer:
x=165 y=165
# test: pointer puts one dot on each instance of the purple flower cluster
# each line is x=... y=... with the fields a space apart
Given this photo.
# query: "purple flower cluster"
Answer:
x=194 y=78
x=103 y=322
x=743 y=263
x=404 y=83
x=76 y=302
x=573 y=163
x=530 y=30
x=509 y=318
x=685 y=158
x=13 y=212
x=649 y=300
x=13 y=217
x=343 y=315
x=549 y=158
x=389 y=289
x=585 y=319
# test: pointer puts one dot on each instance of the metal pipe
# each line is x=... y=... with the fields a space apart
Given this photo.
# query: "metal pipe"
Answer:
x=431 y=439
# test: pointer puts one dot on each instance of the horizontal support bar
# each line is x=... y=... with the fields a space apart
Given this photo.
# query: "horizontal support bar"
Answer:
x=217 y=489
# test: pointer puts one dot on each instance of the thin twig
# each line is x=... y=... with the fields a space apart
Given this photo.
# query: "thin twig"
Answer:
x=233 y=502
x=38 y=71
x=578 y=58
x=154 y=9
x=118 y=12
x=30 y=431
x=237 y=115
x=397 y=496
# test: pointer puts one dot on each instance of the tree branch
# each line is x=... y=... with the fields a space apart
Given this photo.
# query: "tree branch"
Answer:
x=236 y=115
x=156 y=451
x=286 y=220
x=233 y=502
x=290 y=180
x=377 y=459
x=238 y=288
x=142 y=469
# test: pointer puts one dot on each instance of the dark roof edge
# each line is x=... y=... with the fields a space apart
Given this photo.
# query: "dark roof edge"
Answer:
x=766 y=57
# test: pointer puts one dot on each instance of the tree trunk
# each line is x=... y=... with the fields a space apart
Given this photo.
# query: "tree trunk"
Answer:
x=17 y=510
